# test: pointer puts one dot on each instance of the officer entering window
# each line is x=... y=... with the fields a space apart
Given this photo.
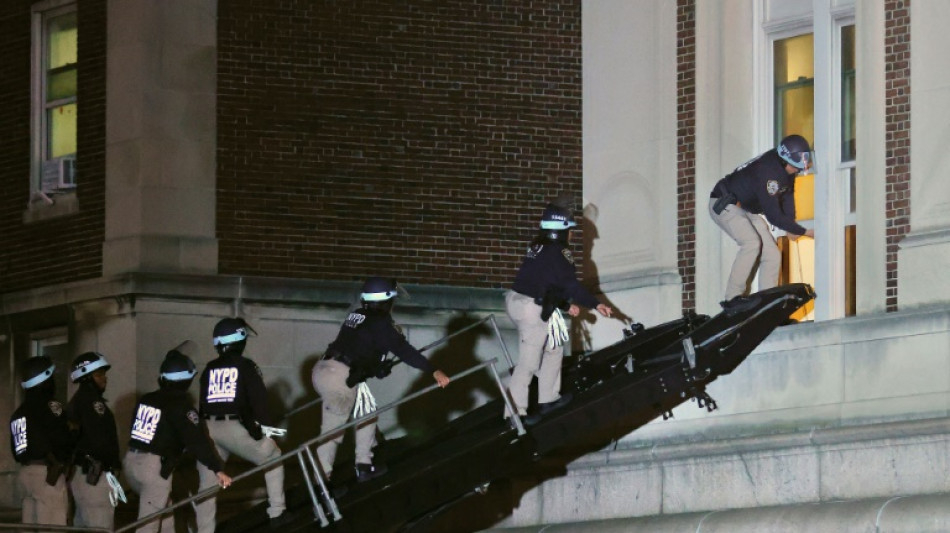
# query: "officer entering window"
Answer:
x=41 y=442
x=97 y=448
x=233 y=401
x=164 y=423
x=546 y=284
x=764 y=185
x=359 y=352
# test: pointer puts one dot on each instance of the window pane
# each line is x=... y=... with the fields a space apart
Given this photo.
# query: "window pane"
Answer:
x=794 y=59
x=61 y=84
x=61 y=122
x=848 y=144
x=62 y=33
x=850 y=276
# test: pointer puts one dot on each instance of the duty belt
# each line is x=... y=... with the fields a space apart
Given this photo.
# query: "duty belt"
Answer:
x=335 y=355
x=222 y=417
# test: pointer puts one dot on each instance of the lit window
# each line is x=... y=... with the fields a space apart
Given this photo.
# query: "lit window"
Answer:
x=794 y=79
x=55 y=47
x=794 y=63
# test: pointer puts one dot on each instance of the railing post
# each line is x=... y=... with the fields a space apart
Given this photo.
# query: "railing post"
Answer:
x=318 y=474
x=501 y=340
x=317 y=509
x=508 y=405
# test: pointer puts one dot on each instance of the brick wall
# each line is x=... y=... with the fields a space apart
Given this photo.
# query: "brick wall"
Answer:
x=415 y=139
x=896 y=135
x=686 y=148
x=67 y=248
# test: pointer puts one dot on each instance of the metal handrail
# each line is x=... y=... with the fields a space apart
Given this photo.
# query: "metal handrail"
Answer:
x=443 y=340
x=304 y=449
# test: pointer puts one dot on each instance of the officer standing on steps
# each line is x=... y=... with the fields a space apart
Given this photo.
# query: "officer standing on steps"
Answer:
x=545 y=285
x=764 y=185
x=163 y=424
x=97 y=449
x=41 y=442
x=359 y=352
x=233 y=401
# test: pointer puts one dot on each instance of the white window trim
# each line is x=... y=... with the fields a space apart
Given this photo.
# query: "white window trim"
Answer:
x=825 y=23
x=40 y=12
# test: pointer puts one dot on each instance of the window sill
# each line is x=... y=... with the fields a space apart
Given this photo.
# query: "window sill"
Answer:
x=62 y=205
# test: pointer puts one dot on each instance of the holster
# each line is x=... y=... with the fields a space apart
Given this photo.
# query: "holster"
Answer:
x=253 y=427
x=54 y=469
x=168 y=466
x=93 y=470
x=725 y=200
x=552 y=300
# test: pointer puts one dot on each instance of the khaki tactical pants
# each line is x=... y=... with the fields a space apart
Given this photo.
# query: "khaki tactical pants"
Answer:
x=93 y=508
x=230 y=437
x=751 y=233
x=329 y=380
x=535 y=358
x=143 y=472
x=42 y=503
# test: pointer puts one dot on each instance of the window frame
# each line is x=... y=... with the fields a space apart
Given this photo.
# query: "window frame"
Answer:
x=832 y=194
x=41 y=13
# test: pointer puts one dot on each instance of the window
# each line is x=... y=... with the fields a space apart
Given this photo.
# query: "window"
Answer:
x=55 y=46
x=829 y=195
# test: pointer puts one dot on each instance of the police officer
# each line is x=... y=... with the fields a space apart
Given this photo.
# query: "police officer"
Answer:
x=233 y=400
x=367 y=335
x=764 y=185
x=97 y=448
x=545 y=285
x=165 y=423
x=41 y=442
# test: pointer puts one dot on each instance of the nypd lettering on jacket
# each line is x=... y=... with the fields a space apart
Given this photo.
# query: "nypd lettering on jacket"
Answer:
x=222 y=384
x=146 y=423
x=354 y=319
x=18 y=431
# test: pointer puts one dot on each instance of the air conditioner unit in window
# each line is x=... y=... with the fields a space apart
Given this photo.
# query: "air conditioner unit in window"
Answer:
x=59 y=174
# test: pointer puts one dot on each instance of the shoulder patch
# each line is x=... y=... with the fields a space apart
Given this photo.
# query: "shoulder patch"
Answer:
x=99 y=408
x=534 y=250
x=568 y=255
x=354 y=319
x=192 y=416
x=772 y=187
x=55 y=407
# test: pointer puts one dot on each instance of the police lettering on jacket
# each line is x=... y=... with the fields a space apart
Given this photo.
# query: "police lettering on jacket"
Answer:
x=145 y=423
x=222 y=384
x=18 y=432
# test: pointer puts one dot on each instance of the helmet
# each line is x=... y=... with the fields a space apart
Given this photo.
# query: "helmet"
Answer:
x=556 y=217
x=230 y=331
x=177 y=367
x=795 y=151
x=37 y=370
x=378 y=289
x=87 y=363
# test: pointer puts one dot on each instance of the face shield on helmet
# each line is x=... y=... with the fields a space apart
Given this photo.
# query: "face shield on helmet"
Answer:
x=87 y=363
x=377 y=289
x=37 y=370
x=557 y=218
x=795 y=151
x=177 y=367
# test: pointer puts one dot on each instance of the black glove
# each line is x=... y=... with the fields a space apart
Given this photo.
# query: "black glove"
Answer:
x=93 y=470
x=54 y=469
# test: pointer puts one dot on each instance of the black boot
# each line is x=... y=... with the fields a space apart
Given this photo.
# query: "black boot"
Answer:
x=368 y=471
x=545 y=408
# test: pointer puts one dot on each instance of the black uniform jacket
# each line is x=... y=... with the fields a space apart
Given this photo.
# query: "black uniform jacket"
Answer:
x=762 y=186
x=37 y=428
x=233 y=385
x=98 y=437
x=165 y=423
x=550 y=265
x=367 y=335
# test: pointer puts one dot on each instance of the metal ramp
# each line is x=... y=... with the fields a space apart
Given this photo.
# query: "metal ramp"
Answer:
x=617 y=389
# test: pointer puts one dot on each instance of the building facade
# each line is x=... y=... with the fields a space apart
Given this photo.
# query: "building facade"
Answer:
x=167 y=164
